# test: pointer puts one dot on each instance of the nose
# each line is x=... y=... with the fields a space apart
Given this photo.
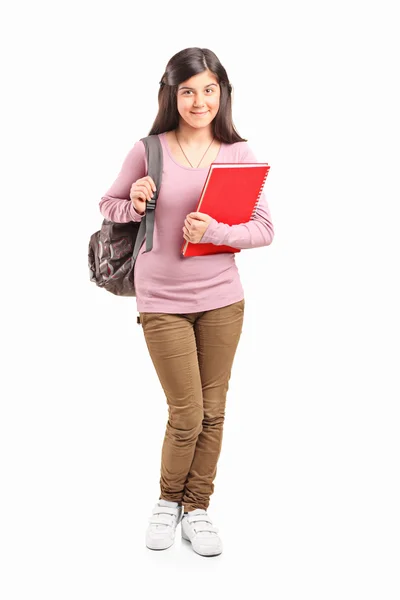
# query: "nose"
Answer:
x=199 y=102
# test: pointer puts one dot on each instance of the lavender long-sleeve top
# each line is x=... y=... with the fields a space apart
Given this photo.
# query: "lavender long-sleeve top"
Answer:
x=166 y=281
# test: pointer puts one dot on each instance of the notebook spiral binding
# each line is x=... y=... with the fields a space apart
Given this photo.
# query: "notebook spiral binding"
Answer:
x=259 y=195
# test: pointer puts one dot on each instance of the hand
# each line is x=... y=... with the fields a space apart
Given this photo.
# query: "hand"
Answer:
x=196 y=224
x=141 y=191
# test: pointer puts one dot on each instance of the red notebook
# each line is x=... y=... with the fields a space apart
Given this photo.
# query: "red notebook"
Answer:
x=230 y=194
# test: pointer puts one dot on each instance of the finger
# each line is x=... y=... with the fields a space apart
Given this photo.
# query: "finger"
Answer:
x=145 y=188
x=152 y=184
x=147 y=184
x=188 y=222
x=141 y=196
x=144 y=185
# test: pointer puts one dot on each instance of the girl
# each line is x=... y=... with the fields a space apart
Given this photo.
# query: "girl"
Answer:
x=191 y=309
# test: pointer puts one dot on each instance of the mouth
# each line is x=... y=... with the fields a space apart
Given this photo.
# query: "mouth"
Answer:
x=200 y=113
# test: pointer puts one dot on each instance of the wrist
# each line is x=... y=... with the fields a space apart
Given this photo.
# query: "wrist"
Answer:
x=136 y=210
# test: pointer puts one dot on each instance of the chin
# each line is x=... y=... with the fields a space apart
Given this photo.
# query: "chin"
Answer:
x=200 y=120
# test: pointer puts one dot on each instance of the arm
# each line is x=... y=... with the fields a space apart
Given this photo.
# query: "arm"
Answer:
x=116 y=204
x=257 y=232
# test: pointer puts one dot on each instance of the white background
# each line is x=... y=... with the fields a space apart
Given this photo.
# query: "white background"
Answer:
x=307 y=492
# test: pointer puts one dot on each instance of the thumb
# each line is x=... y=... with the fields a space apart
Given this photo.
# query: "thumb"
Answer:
x=197 y=215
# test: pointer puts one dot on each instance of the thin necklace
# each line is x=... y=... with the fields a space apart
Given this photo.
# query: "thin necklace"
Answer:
x=187 y=157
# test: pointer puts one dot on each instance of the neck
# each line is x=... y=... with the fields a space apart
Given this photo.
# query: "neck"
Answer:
x=194 y=137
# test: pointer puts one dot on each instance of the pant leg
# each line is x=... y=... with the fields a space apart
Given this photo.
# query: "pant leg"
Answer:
x=171 y=343
x=217 y=336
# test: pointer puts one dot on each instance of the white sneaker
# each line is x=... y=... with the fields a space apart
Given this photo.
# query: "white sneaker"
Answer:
x=197 y=528
x=160 y=533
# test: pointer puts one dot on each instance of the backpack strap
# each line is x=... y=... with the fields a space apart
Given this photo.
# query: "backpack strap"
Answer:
x=154 y=170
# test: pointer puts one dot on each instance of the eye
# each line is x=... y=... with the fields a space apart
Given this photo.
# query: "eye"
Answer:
x=189 y=91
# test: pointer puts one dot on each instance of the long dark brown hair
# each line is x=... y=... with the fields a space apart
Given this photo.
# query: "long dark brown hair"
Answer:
x=181 y=67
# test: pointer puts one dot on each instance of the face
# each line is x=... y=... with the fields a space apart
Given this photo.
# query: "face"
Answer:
x=199 y=94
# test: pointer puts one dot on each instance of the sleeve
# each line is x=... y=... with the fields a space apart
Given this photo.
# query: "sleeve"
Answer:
x=257 y=232
x=116 y=204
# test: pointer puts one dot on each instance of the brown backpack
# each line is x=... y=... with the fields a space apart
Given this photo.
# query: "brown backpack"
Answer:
x=113 y=250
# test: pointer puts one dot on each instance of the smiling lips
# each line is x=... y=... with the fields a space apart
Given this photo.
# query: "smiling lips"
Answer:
x=200 y=113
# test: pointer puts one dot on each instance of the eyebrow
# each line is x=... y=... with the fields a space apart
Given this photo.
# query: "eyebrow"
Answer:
x=189 y=88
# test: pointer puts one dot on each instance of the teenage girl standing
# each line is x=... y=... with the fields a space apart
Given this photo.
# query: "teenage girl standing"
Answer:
x=191 y=309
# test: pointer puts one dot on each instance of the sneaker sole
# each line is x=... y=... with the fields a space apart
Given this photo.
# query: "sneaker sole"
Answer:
x=160 y=548
x=213 y=553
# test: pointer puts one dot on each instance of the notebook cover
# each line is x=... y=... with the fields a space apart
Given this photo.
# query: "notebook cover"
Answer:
x=230 y=195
